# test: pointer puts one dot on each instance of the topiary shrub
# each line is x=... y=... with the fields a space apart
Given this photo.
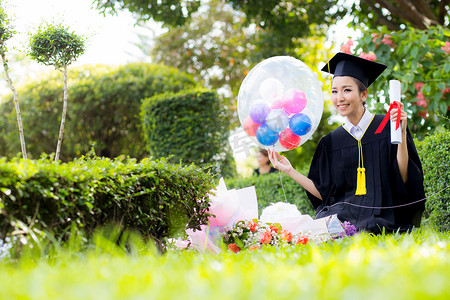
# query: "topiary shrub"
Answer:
x=104 y=104
x=192 y=126
x=269 y=189
x=434 y=152
x=156 y=198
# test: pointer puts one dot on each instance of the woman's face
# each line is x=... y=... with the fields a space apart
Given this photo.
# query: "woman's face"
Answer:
x=262 y=159
x=346 y=97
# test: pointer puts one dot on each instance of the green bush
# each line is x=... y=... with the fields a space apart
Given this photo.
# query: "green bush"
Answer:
x=192 y=126
x=153 y=197
x=434 y=152
x=103 y=108
x=269 y=189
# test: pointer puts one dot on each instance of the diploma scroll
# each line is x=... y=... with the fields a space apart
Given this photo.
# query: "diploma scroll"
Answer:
x=394 y=95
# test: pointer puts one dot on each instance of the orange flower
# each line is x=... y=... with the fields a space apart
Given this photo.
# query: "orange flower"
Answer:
x=303 y=239
x=254 y=248
x=233 y=247
x=286 y=235
x=274 y=229
x=253 y=226
x=266 y=237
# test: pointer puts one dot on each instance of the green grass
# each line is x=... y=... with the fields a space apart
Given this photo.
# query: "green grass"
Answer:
x=409 y=266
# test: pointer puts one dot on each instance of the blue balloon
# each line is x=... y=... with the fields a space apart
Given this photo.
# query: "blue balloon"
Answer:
x=300 y=124
x=266 y=136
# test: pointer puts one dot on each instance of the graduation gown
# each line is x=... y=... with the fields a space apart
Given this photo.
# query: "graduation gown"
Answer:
x=334 y=171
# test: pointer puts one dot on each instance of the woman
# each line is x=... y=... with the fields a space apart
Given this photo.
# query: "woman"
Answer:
x=264 y=163
x=393 y=173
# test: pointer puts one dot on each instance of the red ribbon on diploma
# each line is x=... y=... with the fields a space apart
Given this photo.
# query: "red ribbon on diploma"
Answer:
x=394 y=104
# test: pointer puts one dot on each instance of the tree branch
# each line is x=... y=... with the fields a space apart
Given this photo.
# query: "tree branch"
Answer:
x=424 y=8
x=416 y=18
x=391 y=25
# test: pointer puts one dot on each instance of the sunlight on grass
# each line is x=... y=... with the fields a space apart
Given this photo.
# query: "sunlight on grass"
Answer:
x=410 y=266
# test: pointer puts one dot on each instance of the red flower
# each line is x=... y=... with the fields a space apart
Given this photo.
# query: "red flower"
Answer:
x=346 y=47
x=253 y=226
x=419 y=85
x=266 y=237
x=233 y=247
x=369 y=56
x=375 y=37
x=303 y=239
x=274 y=228
x=423 y=114
x=388 y=41
x=286 y=235
x=446 y=48
x=445 y=91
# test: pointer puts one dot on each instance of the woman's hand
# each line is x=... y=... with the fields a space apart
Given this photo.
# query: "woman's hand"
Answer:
x=279 y=162
x=403 y=117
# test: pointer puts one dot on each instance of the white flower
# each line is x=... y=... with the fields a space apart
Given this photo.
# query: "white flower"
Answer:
x=277 y=212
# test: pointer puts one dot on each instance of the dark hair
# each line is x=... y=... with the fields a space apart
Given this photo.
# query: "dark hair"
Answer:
x=264 y=152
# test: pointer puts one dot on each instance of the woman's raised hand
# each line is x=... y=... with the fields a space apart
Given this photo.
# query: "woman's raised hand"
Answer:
x=403 y=117
x=279 y=162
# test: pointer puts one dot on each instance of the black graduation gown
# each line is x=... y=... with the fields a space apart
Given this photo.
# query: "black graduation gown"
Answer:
x=334 y=169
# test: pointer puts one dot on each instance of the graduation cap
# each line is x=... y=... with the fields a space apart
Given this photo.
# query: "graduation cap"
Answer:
x=343 y=64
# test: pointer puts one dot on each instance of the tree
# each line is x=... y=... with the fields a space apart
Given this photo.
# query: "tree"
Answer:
x=6 y=32
x=213 y=46
x=399 y=14
x=55 y=46
x=420 y=59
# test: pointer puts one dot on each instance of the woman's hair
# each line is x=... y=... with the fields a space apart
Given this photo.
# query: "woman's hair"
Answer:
x=263 y=152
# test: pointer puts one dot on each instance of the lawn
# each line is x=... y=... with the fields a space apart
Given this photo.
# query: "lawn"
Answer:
x=407 y=266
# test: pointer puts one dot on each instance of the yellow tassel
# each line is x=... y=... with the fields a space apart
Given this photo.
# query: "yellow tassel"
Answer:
x=361 y=182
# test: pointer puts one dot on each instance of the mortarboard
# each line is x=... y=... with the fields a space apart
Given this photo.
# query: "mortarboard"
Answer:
x=343 y=64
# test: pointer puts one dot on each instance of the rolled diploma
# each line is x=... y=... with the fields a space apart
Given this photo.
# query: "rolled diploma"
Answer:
x=394 y=95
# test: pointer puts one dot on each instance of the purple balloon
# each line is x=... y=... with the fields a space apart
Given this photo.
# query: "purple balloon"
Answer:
x=259 y=111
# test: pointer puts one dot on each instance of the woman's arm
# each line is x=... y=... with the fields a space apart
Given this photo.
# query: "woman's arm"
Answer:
x=282 y=163
x=402 y=152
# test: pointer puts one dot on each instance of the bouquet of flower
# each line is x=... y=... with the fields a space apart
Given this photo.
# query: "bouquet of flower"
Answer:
x=254 y=234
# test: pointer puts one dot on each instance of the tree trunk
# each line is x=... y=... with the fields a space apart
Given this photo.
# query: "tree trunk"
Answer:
x=16 y=103
x=63 y=118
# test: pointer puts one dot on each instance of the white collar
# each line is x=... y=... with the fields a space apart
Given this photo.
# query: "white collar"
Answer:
x=363 y=123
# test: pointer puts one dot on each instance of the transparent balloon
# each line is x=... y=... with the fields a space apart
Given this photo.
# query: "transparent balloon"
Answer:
x=280 y=103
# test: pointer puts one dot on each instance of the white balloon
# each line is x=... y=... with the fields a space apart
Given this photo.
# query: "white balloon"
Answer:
x=277 y=120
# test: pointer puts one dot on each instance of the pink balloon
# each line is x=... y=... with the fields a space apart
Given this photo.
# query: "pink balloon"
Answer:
x=250 y=127
x=288 y=139
x=294 y=101
x=277 y=104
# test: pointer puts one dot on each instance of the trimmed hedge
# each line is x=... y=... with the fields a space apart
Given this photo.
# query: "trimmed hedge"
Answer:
x=269 y=189
x=192 y=126
x=153 y=197
x=434 y=152
x=103 y=108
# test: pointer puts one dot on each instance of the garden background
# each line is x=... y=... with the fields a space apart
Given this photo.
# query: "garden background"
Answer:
x=144 y=143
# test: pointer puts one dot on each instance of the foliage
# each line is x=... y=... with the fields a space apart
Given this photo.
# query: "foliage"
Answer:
x=191 y=125
x=171 y=12
x=409 y=266
x=54 y=45
x=420 y=59
x=213 y=46
x=270 y=188
x=396 y=15
x=434 y=153
x=6 y=30
x=155 y=198
x=105 y=104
